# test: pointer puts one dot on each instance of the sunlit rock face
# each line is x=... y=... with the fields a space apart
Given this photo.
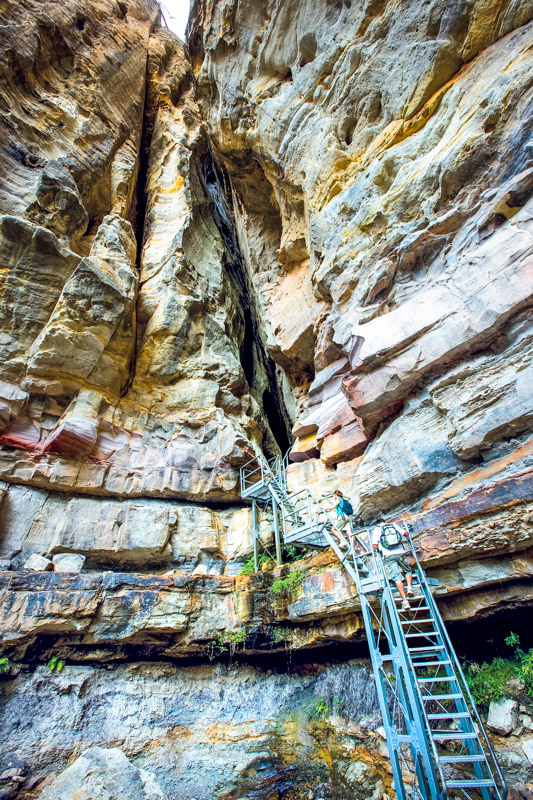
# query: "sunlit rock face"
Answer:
x=381 y=162
x=131 y=366
x=317 y=218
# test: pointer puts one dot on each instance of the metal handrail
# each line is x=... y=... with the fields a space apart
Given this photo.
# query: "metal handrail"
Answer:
x=442 y=630
x=421 y=705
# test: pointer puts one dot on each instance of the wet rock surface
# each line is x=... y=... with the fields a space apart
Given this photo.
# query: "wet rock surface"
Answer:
x=206 y=731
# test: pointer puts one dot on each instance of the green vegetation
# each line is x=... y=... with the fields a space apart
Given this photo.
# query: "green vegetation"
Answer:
x=282 y=635
x=4 y=664
x=289 y=554
x=321 y=709
x=226 y=643
x=55 y=664
x=487 y=681
x=249 y=567
x=292 y=553
x=288 y=585
x=512 y=640
x=526 y=670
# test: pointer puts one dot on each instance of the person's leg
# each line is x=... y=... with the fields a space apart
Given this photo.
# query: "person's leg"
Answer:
x=401 y=589
x=409 y=579
x=395 y=573
x=338 y=535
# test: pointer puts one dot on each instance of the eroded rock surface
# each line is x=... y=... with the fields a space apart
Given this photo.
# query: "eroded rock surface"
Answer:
x=404 y=203
x=315 y=217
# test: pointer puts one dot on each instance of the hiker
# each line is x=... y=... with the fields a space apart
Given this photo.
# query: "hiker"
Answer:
x=389 y=539
x=344 y=510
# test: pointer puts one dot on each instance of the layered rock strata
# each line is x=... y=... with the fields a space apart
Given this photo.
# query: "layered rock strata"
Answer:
x=381 y=168
x=317 y=217
x=210 y=731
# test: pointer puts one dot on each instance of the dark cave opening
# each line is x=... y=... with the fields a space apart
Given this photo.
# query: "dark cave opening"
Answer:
x=251 y=351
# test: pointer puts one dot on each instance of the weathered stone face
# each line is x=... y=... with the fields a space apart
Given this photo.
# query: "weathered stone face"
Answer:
x=315 y=217
x=383 y=161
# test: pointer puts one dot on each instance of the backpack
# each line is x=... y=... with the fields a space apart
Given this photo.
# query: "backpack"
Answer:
x=390 y=536
x=345 y=506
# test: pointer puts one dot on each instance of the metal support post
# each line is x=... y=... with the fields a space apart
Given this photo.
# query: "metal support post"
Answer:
x=254 y=527
x=276 y=532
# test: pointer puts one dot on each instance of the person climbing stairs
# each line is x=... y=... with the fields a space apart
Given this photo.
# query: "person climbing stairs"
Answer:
x=437 y=744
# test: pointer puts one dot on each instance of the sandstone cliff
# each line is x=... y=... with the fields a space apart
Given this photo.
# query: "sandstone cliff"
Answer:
x=311 y=227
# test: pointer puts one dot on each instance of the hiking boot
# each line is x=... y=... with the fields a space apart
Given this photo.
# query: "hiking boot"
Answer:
x=406 y=605
x=410 y=593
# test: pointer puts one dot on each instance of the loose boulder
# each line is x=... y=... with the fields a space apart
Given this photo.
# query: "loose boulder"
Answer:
x=68 y=562
x=503 y=716
x=37 y=563
x=103 y=774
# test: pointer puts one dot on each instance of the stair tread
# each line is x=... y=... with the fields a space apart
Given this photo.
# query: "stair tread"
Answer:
x=440 y=679
x=429 y=648
x=416 y=621
x=449 y=715
x=441 y=696
x=458 y=784
x=418 y=635
x=464 y=759
x=442 y=736
x=430 y=663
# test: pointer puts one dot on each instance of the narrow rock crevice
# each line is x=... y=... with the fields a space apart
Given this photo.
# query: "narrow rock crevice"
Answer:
x=258 y=367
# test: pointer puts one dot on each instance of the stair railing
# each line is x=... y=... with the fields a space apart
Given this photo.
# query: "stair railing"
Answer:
x=494 y=767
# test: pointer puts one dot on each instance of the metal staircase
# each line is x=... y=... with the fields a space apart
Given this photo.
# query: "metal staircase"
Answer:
x=437 y=744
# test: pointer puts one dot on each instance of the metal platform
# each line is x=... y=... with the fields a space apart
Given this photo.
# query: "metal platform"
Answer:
x=437 y=743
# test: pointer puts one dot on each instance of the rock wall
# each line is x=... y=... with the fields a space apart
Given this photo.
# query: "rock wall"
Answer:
x=381 y=169
x=210 y=731
x=311 y=227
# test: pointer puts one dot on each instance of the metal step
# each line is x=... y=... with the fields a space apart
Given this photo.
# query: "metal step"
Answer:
x=418 y=635
x=444 y=736
x=438 y=680
x=427 y=649
x=430 y=663
x=450 y=715
x=442 y=697
x=475 y=782
x=396 y=596
x=415 y=621
x=466 y=758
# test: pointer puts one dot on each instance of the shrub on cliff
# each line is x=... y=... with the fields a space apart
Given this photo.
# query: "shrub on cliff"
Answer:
x=487 y=681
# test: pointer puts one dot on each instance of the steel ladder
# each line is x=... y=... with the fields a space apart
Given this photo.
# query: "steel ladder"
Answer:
x=437 y=743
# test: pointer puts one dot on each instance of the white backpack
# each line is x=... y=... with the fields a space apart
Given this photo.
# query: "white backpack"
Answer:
x=391 y=536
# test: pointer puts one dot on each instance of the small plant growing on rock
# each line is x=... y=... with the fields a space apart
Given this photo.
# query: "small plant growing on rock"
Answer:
x=4 y=664
x=320 y=709
x=512 y=640
x=249 y=567
x=282 y=635
x=288 y=585
x=225 y=644
x=292 y=553
x=55 y=664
